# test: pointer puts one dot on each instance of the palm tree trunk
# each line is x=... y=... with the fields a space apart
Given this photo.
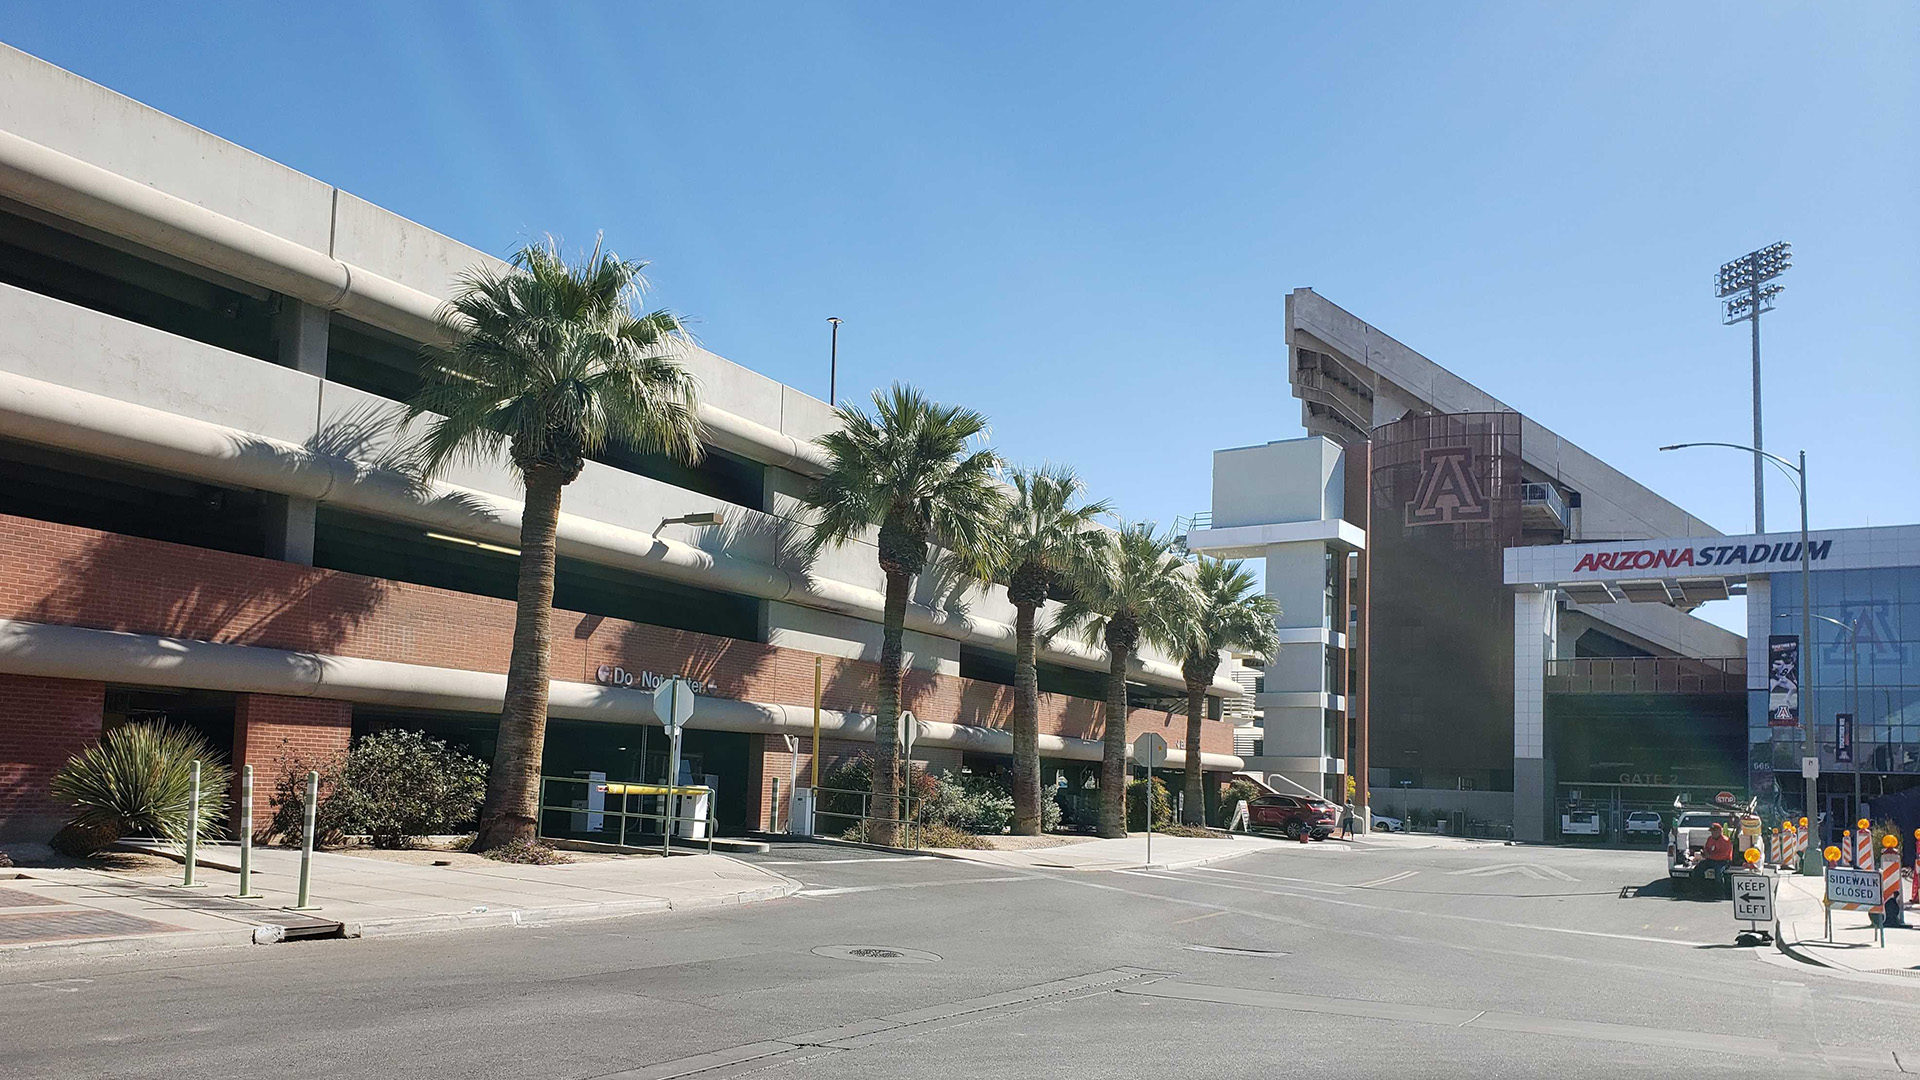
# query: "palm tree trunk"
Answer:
x=513 y=784
x=1196 y=807
x=1113 y=748
x=885 y=807
x=1026 y=726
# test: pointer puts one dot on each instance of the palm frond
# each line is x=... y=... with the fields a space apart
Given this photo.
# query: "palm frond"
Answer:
x=550 y=362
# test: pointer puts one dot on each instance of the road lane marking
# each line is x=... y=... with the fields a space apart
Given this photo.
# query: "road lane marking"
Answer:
x=850 y=889
x=1388 y=880
x=1197 y=918
x=1533 y=870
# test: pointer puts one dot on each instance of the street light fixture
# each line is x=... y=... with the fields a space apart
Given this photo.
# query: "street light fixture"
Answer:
x=1853 y=644
x=1810 y=859
x=708 y=519
x=1742 y=285
x=833 y=364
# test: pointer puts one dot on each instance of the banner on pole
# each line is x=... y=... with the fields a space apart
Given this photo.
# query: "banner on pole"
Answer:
x=1783 y=680
x=1843 y=738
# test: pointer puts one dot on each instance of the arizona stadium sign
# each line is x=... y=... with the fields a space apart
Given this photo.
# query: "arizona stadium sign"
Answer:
x=1705 y=555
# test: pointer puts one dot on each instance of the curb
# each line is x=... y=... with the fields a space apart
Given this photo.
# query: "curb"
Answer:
x=404 y=925
x=566 y=913
x=132 y=944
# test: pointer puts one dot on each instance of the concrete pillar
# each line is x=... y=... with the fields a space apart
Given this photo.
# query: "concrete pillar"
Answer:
x=287 y=523
x=302 y=332
x=1534 y=630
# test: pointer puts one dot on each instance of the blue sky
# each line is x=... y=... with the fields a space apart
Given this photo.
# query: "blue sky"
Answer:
x=1082 y=218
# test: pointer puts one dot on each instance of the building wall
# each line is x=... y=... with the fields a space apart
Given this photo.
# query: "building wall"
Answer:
x=43 y=722
x=81 y=577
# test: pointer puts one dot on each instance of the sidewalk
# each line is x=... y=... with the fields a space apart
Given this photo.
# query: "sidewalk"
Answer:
x=1130 y=853
x=1855 y=945
x=93 y=910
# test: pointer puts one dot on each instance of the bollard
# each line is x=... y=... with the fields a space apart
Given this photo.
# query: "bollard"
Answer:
x=306 y=844
x=193 y=830
x=246 y=835
x=1914 y=898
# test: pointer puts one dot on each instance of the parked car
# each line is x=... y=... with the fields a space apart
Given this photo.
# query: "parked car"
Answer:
x=1293 y=816
x=1383 y=823
x=1644 y=827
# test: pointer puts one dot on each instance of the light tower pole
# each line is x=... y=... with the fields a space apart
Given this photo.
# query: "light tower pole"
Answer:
x=833 y=363
x=1743 y=287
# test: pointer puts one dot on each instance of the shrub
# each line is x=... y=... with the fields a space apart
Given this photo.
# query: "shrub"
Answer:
x=1235 y=792
x=1137 y=801
x=529 y=853
x=403 y=784
x=6 y=860
x=138 y=780
x=289 y=803
x=946 y=836
x=392 y=786
x=844 y=783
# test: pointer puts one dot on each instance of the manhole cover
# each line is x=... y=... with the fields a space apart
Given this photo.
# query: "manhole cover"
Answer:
x=876 y=954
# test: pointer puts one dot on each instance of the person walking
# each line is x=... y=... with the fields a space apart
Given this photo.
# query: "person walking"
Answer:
x=1347 y=821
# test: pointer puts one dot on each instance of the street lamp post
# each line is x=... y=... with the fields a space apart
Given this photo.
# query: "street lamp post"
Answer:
x=1853 y=644
x=1809 y=859
x=833 y=364
x=1742 y=286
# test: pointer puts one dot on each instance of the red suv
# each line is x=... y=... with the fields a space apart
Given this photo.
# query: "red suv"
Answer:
x=1293 y=815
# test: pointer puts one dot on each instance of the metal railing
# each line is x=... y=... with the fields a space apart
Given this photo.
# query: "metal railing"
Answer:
x=907 y=824
x=1648 y=675
x=617 y=803
x=1545 y=495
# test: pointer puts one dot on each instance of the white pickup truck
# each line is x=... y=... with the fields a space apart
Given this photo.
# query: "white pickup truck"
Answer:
x=1581 y=824
x=1644 y=827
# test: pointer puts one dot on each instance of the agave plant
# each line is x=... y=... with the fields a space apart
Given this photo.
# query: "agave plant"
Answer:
x=138 y=780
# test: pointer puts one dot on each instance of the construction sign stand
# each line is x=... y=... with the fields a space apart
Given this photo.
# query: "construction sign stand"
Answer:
x=1852 y=889
x=1239 y=820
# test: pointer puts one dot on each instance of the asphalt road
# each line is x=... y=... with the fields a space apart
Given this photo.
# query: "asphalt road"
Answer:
x=1323 y=960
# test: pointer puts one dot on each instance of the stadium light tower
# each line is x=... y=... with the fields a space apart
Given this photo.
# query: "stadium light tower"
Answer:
x=1746 y=287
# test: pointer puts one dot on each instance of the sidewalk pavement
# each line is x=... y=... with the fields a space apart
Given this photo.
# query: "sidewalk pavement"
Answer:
x=104 y=911
x=1129 y=853
x=1855 y=945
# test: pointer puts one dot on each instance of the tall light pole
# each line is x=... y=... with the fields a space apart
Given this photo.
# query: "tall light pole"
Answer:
x=833 y=364
x=1853 y=643
x=1810 y=859
x=1742 y=285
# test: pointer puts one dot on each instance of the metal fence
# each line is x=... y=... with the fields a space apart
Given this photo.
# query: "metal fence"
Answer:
x=615 y=821
x=907 y=826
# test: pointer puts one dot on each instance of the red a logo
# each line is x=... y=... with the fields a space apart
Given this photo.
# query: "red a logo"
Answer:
x=1448 y=491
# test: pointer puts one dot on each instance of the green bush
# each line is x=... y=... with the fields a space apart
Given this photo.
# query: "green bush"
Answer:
x=392 y=786
x=1137 y=801
x=843 y=783
x=1235 y=792
x=138 y=781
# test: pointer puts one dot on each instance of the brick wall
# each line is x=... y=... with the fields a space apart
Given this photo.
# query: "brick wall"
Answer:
x=270 y=732
x=43 y=722
x=83 y=577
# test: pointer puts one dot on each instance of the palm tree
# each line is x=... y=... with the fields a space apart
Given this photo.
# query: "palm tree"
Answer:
x=906 y=467
x=1229 y=613
x=1134 y=590
x=1044 y=540
x=548 y=364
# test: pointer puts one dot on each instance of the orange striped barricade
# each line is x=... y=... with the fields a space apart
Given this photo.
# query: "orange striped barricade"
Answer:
x=1914 y=897
x=1851 y=889
x=1863 y=845
x=1890 y=885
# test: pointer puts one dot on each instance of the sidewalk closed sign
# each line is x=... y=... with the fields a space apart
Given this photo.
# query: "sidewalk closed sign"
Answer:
x=1857 y=888
x=1752 y=898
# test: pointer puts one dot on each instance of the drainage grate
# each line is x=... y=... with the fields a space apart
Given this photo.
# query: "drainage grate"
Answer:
x=876 y=954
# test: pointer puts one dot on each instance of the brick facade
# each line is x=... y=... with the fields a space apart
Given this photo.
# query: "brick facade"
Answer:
x=271 y=732
x=43 y=722
x=82 y=577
